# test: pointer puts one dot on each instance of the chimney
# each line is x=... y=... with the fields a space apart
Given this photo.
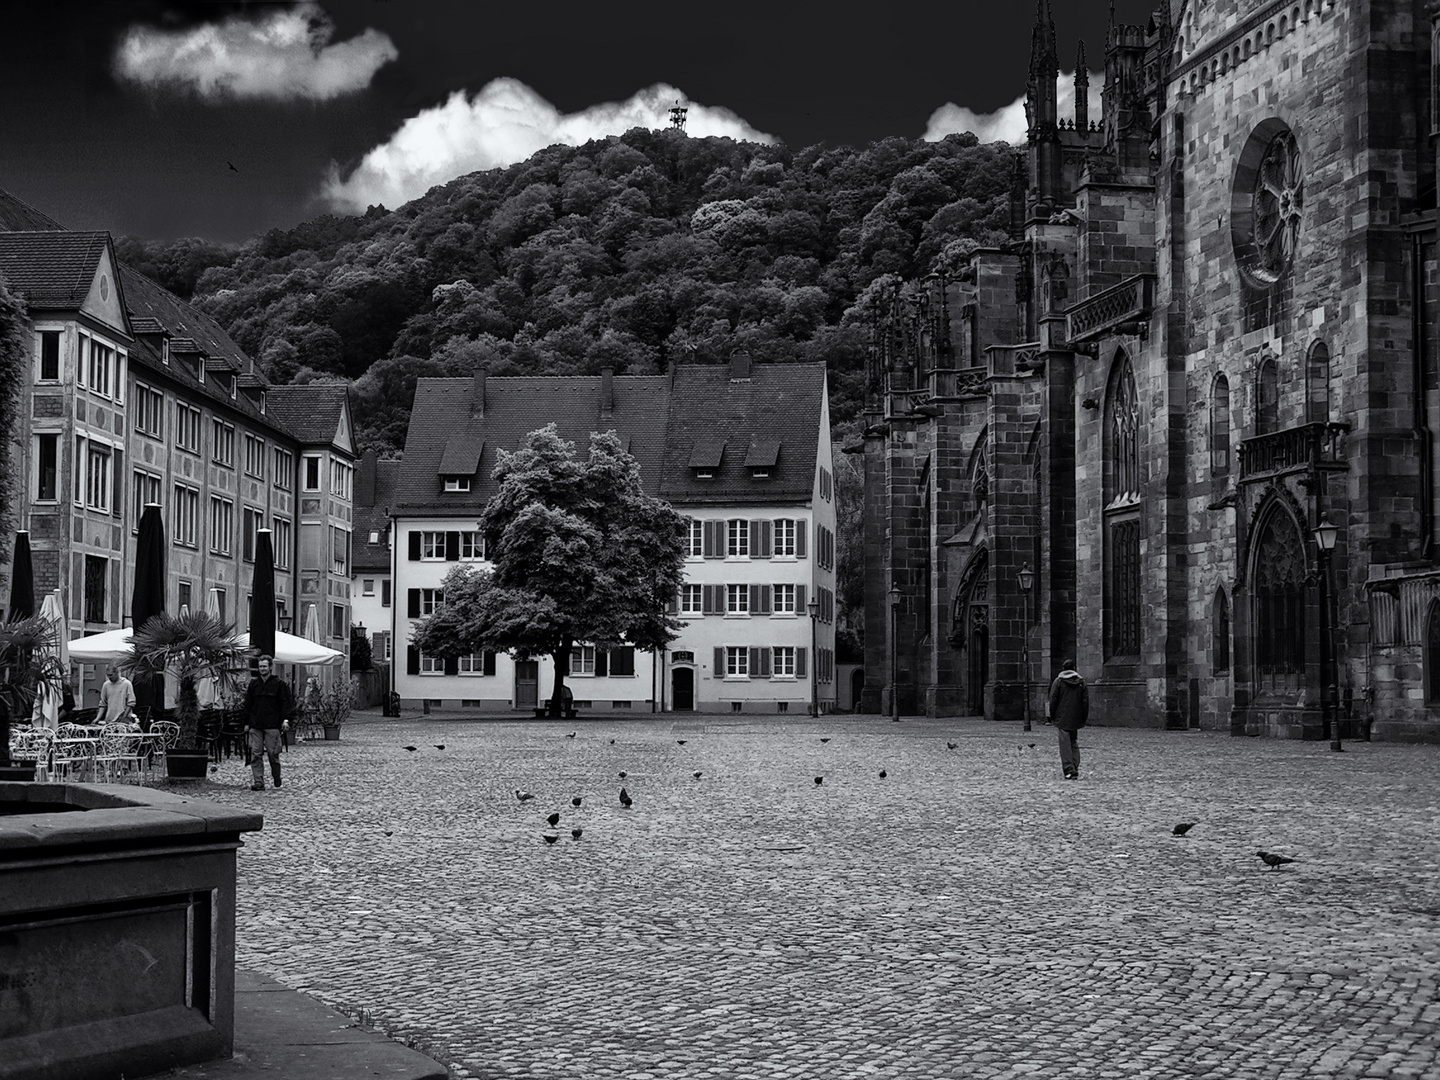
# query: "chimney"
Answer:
x=365 y=479
x=607 y=392
x=477 y=404
x=740 y=365
x=671 y=373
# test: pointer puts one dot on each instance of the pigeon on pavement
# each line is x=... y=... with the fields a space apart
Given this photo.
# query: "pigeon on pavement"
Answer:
x=680 y=741
x=819 y=780
x=553 y=819
x=576 y=833
x=1273 y=861
x=549 y=838
x=1183 y=828
x=697 y=776
x=625 y=799
x=882 y=774
x=439 y=745
x=523 y=796
x=575 y=801
x=623 y=775
x=952 y=746
x=571 y=735
x=412 y=749
x=825 y=739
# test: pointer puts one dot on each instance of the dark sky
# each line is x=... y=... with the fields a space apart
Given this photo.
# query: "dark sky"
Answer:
x=95 y=151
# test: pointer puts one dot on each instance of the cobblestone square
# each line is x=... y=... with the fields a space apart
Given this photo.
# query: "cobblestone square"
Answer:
x=967 y=915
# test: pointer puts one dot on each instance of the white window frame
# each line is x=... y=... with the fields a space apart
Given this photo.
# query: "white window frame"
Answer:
x=692 y=599
x=431 y=665
x=283 y=539
x=145 y=487
x=341 y=479
x=459 y=484
x=737 y=538
x=99 y=459
x=737 y=662
x=339 y=564
x=367 y=586
x=149 y=409
x=254 y=456
x=782 y=662
x=430 y=601
x=35 y=447
x=187 y=427
x=737 y=600
x=305 y=462
x=582 y=660
x=432 y=541
x=222 y=442
x=284 y=467
x=695 y=540
x=472 y=546
x=782 y=599
x=473 y=664
x=185 y=519
x=784 y=539
x=222 y=525
x=40 y=332
x=252 y=520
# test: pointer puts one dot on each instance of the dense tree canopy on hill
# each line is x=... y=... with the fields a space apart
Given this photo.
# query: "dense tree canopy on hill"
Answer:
x=628 y=253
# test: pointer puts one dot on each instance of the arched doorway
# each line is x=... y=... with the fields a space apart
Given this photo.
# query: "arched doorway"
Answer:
x=1279 y=638
x=682 y=689
x=970 y=629
x=857 y=688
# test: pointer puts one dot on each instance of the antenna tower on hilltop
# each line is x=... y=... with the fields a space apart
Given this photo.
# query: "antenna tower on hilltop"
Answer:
x=677 y=116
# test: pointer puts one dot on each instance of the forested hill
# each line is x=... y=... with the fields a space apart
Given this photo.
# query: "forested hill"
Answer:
x=625 y=253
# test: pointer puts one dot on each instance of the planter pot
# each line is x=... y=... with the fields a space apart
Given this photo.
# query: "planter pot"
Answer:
x=18 y=769
x=186 y=764
x=332 y=732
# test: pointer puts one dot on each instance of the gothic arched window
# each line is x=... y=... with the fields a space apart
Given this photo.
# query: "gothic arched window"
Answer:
x=1220 y=634
x=1122 y=512
x=1280 y=604
x=1432 y=654
x=1267 y=394
x=1220 y=426
x=1317 y=384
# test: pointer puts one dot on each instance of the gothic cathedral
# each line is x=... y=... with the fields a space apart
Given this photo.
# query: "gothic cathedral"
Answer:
x=1182 y=428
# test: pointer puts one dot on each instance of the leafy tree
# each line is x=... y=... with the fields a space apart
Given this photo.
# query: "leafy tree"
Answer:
x=13 y=363
x=361 y=655
x=579 y=552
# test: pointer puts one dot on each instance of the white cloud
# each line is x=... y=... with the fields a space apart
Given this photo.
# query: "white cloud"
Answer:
x=504 y=123
x=285 y=56
x=1007 y=123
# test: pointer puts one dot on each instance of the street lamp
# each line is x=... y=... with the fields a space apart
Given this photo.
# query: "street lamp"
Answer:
x=814 y=608
x=1026 y=577
x=894 y=664
x=1325 y=536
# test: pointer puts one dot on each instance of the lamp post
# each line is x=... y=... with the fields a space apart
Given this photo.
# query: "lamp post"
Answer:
x=814 y=609
x=1325 y=536
x=894 y=665
x=1026 y=577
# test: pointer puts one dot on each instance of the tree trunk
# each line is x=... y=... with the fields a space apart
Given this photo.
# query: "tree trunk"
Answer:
x=557 y=695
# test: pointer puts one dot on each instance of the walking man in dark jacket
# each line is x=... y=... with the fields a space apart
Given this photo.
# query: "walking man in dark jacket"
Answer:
x=268 y=708
x=1069 y=709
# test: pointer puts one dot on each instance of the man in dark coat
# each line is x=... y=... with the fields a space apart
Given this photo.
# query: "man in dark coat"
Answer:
x=1069 y=709
x=268 y=708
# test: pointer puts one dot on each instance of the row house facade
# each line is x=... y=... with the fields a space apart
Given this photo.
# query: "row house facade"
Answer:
x=1192 y=404
x=742 y=451
x=135 y=397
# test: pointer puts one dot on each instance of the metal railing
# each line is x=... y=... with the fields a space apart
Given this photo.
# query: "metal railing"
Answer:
x=1309 y=446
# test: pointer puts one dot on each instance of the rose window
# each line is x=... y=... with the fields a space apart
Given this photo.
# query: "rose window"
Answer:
x=1268 y=201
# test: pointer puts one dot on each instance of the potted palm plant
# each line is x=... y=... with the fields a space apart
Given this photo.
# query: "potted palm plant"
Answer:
x=333 y=709
x=193 y=646
x=29 y=666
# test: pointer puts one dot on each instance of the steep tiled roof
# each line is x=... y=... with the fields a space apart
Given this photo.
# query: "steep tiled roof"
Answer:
x=371 y=515
x=52 y=270
x=514 y=407
x=17 y=215
x=311 y=412
x=778 y=404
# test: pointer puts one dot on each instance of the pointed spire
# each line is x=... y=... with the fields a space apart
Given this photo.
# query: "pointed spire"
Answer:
x=1082 y=76
x=1082 y=91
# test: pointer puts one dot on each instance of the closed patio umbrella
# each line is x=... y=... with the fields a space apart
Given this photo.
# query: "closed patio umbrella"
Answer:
x=148 y=599
x=262 y=597
x=22 y=580
x=48 y=700
x=207 y=687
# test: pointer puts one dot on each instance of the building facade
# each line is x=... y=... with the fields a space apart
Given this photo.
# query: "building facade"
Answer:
x=135 y=397
x=742 y=451
x=1207 y=352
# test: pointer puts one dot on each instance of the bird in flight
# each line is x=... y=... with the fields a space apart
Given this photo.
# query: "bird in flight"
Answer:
x=231 y=166
x=1273 y=861
x=1183 y=828
x=625 y=799
x=523 y=796
x=553 y=819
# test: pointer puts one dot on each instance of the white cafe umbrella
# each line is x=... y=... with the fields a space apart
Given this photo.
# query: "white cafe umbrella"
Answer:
x=207 y=687
x=47 y=701
x=290 y=649
x=98 y=648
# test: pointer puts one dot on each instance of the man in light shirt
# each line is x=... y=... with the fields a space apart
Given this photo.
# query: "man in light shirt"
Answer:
x=117 y=697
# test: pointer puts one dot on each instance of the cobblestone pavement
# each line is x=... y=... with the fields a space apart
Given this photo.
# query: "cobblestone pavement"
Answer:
x=968 y=915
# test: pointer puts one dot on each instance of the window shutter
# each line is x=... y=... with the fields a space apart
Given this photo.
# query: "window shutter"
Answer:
x=489 y=662
x=414 y=547
x=755 y=600
x=800 y=526
x=452 y=665
x=452 y=547
x=800 y=600
x=413 y=598
x=765 y=593
x=385 y=593
x=755 y=662
x=708 y=540
x=799 y=663
x=602 y=661
x=759 y=545
x=707 y=599
x=764 y=670
x=767 y=528
x=412 y=660
x=622 y=661
x=673 y=604
x=719 y=662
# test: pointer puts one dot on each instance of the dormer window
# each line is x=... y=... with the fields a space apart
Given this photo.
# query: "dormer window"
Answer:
x=460 y=462
x=762 y=458
x=457 y=483
x=165 y=351
x=705 y=458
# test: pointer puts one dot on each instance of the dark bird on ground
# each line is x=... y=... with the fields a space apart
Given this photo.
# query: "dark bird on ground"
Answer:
x=819 y=780
x=523 y=796
x=389 y=832
x=231 y=166
x=625 y=799
x=412 y=749
x=612 y=742
x=549 y=838
x=575 y=801
x=826 y=739
x=952 y=746
x=882 y=774
x=1273 y=861
x=576 y=833
x=623 y=775
x=1183 y=828
x=553 y=819
x=1031 y=745
x=571 y=735
x=439 y=745
x=680 y=741
x=697 y=776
